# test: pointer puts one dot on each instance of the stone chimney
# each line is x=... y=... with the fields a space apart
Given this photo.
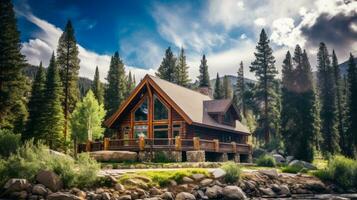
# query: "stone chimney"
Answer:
x=206 y=91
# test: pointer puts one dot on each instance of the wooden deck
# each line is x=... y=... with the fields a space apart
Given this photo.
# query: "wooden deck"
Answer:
x=164 y=144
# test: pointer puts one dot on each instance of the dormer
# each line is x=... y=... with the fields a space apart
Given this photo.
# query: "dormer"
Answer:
x=223 y=111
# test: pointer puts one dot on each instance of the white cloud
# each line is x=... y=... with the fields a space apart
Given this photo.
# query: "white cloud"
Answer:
x=285 y=33
x=243 y=36
x=260 y=22
x=229 y=13
x=45 y=42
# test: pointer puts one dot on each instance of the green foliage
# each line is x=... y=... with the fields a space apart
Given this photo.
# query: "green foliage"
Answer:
x=87 y=118
x=294 y=169
x=218 y=89
x=130 y=84
x=203 y=78
x=351 y=135
x=97 y=87
x=340 y=170
x=233 y=172
x=227 y=88
x=167 y=67
x=181 y=72
x=239 y=91
x=266 y=161
x=30 y=158
x=9 y=142
x=161 y=157
x=12 y=83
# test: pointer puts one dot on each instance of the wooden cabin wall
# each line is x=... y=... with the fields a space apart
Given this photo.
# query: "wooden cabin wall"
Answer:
x=210 y=134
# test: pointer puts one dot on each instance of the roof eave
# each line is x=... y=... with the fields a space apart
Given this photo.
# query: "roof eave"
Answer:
x=220 y=128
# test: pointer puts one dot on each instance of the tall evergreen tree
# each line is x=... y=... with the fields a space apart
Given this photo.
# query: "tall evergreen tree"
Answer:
x=97 y=87
x=203 y=78
x=240 y=90
x=227 y=88
x=116 y=89
x=339 y=101
x=167 y=67
x=13 y=111
x=328 y=112
x=181 y=74
x=68 y=61
x=52 y=112
x=265 y=71
x=218 y=89
x=352 y=107
x=130 y=84
x=35 y=106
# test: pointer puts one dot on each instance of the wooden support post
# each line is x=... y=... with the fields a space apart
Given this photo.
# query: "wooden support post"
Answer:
x=234 y=146
x=216 y=145
x=88 y=146
x=196 y=143
x=141 y=143
x=106 y=144
x=178 y=143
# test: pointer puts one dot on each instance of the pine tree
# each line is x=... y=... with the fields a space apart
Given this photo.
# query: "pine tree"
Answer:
x=13 y=111
x=116 y=90
x=182 y=70
x=130 y=84
x=35 y=106
x=227 y=88
x=218 y=89
x=265 y=71
x=352 y=107
x=52 y=112
x=97 y=87
x=167 y=67
x=203 y=78
x=239 y=92
x=68 y=61
x=327 y=96
x=340 y=102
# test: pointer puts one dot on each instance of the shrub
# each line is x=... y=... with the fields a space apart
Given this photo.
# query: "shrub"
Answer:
x=9 y=142
x=30 y=158
x=294 y=169
x=161 y=157
x=340 y=170
x=233 y=172
x=266 y=161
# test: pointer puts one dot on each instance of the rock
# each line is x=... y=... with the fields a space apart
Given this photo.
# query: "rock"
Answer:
x=81 y=194
x=206 y=182
x=185 y=196
x=289 y=159
x=233 y=192
x=154 y=191
x=39 y=189
x=114 y=156
x=99 y=190
x=213 y=192
x=50 y=180
x=218 y=173
x=137 y=182
x=125 y=197
x=105 y=196
x=167 y=196
x=267 y=191
x=19 y=195
x=15 y=184
x=119 y=187
x=201 y=195
x=198 y=177
x=187 y=180
x=302 y=164
x=172 y=183
x=62 y=196
x=271 y=173
x=275 y=188
x=284 y=190
x=279 y=158
x=315 y=185
x=33 y=197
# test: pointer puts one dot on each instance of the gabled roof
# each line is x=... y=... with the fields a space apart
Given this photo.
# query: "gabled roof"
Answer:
x=187 y=102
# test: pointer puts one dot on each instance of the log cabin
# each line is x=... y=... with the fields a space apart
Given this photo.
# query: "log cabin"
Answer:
x=161 y=116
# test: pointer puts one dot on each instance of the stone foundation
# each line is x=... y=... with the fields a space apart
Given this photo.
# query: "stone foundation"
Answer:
x=195 y=156
x=236 y=158
x=223 y=157
x=173 y=156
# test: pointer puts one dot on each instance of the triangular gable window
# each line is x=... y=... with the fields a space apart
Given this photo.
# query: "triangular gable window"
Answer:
x=160 y=110
x=141 y=113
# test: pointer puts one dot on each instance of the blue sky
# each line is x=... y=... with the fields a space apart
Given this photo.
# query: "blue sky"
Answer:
x=226 y=31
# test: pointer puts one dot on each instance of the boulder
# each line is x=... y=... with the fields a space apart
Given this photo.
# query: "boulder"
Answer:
x=206 y=182
x=125 y=197
x=218 y=173
x=289 y=159
x=267 y=191
x=19 y=195
x=16 y=184
x=114 y=156
x=302 y=164
x=62 y=196
x=167 y=196
x=105 y=196
x=213 y=192
x=39 y=189
x=198 y=177
x=271 y=173
x=279 y=158
x=233 y=192
x=284 y=190
x=154 y=191
x=119 y=187
x=185 y=196
x=50 y=180
x=187 y=180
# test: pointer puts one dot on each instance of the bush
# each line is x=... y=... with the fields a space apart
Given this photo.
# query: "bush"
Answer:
x=294 y=169
x=161 y=157
x=266 y=161
x=30 y=158
x=340 y=170
x=9 y=142
x=233 y=172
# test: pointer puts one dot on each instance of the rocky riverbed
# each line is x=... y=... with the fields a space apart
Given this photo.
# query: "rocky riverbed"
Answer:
x=261 y=184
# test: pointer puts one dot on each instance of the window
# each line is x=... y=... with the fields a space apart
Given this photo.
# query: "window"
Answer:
x=176 y=130
x=160 y=110
x=161 y=131
x=140 y=130
x=227 y=119
x=141 y=114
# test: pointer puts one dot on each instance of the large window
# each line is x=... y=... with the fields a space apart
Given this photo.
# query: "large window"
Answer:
x=176 y=130
x=161 y=131
x=160 y=110
x=140 y=130
x=141 y=114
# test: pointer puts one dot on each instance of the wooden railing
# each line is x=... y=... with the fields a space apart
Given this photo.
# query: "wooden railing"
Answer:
x=174 y=144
